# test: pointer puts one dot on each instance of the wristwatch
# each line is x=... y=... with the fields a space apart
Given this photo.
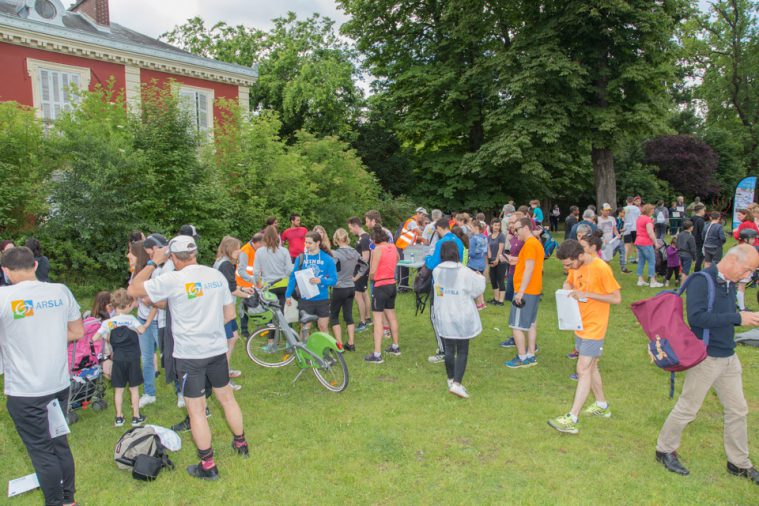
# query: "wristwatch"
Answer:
x=150 y=262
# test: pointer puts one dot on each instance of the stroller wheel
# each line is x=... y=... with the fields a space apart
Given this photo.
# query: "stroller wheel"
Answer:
x=72 y=418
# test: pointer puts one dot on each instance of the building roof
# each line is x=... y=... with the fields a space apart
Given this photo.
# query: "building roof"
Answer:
x=79 y=28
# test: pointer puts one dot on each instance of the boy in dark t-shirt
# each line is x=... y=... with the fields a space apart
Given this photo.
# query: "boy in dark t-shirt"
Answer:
x=363 y=246
x=121 y=332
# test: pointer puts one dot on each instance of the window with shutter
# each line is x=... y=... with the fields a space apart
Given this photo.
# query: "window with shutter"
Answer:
x=198 y=104
x=52 y=89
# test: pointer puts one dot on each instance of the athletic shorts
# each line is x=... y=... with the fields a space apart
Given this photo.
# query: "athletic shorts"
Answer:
x=522 y=318
x=126 y=372
x=230 y=328
x=194 y=371
x=318 y=308
x=383 y=297
x=589 y=347
x=630 y=238
x=362 y=283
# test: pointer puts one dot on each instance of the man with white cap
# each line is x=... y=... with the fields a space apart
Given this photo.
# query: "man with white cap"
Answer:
x=200 y=303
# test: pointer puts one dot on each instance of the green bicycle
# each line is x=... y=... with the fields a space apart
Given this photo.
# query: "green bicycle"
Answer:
x=276 y=344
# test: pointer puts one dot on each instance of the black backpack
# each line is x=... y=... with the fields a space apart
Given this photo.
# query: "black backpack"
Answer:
x=422 y=288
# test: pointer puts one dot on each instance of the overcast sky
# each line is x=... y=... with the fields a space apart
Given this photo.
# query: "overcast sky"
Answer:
x=154 y=17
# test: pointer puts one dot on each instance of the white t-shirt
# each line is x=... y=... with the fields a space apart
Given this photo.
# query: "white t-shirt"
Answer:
x=632 y=213
x=196 y=295
x=606 y=225
x=120 y=320
x=168 y=266
x=34 y=319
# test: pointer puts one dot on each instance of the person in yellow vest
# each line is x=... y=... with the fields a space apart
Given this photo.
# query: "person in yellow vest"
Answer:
x=244 y=274
x=409 y=234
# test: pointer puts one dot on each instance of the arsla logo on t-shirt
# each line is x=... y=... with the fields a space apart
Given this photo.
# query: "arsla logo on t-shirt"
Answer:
x=22 y=309
x=194 y=290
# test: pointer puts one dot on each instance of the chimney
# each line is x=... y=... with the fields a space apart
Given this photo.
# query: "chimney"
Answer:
x=97 y=10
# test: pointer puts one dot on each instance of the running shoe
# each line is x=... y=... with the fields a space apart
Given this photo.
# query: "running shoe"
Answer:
x=641 y=283
x=436 y=358
x=119 y=421
x=459 y=390
x=241 y=448
x=197 y=471
x=564 y=424
x=146 y=399
x=596 y=410
x=138 y=420
x=349 y=347
x=531 y=361
x=182 y=426
x=234 y=386
x=234 y=373
x=180 y=400
x=373 y=359
x=573 y=355
x=393 y=350
x=450 y=383
x=573 y=376
x=269 y=348
x=362 y=326
x=508 y=343
x=626 y=270
x=655 y=284
x=516 y=362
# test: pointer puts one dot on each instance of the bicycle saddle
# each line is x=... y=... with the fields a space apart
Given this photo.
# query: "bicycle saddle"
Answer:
x=307 y=318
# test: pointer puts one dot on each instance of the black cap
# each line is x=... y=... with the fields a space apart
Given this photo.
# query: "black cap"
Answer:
x=155 y=240
x=189 y=230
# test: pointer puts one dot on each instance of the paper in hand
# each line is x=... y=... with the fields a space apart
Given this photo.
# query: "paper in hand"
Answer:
x=568 y=311
x=56 y=420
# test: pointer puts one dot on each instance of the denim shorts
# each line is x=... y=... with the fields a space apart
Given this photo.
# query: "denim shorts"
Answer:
x=589 y=347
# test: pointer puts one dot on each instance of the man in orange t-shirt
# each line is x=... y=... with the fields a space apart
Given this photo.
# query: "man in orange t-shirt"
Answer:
x=595 y=288
x=528 y=284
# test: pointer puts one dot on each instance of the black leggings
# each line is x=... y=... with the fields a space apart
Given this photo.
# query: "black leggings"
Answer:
x=456 y=355
x=280 y=293
x=498 y=276
x=51 y=457
x=342 y=298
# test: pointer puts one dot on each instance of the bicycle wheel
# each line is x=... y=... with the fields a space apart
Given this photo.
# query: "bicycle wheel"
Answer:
x=268 y=347
x=333 y=376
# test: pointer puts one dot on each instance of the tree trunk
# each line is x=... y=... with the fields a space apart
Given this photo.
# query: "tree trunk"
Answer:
x=605 y=178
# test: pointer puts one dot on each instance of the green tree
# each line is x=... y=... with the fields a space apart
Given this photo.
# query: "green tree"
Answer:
x=724 y=44
x=24 y=165
x=306 y=72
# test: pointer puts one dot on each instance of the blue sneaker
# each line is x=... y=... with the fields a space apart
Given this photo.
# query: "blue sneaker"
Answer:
x=362 y=326
x=516 y=363
x=373 y=359
x=573 y=376
x=508 y=343
x=531 y=361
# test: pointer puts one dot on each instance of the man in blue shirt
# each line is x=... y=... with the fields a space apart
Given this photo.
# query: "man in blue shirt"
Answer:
x=442 y=229
x=588 y=218
x=444 y=233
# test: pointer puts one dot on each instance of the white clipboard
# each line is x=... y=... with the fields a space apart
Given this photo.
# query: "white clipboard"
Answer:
x=568 y=311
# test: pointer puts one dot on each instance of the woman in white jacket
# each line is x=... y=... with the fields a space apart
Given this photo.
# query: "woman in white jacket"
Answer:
x=456 y=316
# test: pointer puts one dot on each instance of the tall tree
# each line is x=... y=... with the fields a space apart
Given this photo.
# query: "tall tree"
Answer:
x=725 y=46
x=307 y=73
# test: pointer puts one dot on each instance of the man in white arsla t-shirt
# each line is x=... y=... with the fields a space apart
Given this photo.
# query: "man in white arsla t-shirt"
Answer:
x=37 y=320
x=200 y=304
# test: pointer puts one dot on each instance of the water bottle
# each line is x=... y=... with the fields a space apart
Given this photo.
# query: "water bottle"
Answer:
x=413 y=257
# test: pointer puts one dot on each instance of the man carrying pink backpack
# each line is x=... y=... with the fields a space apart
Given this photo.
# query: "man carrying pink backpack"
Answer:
x=721 y=369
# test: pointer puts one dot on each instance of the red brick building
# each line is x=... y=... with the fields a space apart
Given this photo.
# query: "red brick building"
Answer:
x=45 y=48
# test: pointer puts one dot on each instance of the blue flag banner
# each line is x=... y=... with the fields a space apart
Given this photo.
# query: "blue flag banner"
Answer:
x=744 y=197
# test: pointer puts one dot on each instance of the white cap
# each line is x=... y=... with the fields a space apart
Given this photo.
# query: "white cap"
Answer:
x=182 y=244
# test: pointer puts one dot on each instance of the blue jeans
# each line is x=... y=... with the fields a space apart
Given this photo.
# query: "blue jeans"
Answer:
x=646 y=255
x=509 y=288
x=148 y=347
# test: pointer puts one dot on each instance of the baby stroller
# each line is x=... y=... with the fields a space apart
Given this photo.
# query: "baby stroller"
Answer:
x=87 y=388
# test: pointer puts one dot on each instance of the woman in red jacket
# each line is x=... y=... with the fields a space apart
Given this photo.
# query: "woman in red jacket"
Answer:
x=747 y=221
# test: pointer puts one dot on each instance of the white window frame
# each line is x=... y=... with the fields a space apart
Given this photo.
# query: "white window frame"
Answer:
x=208 y=94
x=35 y=69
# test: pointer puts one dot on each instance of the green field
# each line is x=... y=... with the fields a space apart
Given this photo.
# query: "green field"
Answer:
x=397 y=437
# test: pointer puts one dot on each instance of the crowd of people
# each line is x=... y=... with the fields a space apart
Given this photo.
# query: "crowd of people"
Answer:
x=186 y=321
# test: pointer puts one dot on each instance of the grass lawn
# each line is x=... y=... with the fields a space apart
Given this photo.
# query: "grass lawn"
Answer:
x=397 y=437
